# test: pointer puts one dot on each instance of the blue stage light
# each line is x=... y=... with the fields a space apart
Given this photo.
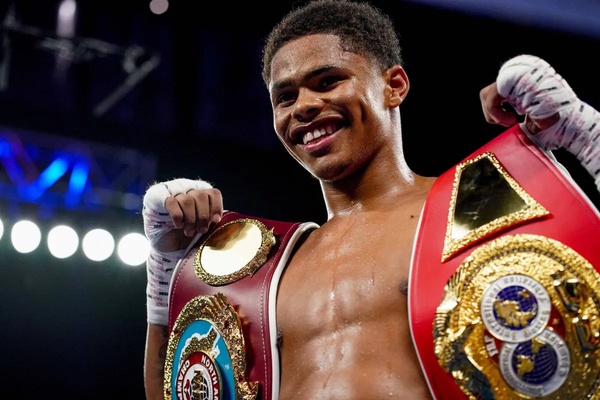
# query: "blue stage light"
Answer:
x=5 y=149
x=79 y=177
x=111 y=172
x=46 y=179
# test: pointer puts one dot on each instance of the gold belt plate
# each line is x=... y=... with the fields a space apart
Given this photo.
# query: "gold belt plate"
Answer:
x=520 y=319
x=233 y=251
x=206 y=356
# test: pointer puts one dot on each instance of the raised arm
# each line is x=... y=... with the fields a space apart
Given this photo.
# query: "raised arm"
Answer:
x=555 y=115
x=174 y=212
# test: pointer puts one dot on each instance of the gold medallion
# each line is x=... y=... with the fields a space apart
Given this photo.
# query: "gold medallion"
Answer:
x=233 y=251
x=206 y=356
x=520 y=319
x=485 y=199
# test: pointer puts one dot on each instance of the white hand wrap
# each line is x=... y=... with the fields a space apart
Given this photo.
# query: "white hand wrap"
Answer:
x=533 y=88
x=157 y=221
x=160 y=265
x=159 y=269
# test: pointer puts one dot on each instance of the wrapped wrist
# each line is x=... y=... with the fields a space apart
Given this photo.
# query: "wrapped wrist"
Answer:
x=157 y=221
x=535 y=89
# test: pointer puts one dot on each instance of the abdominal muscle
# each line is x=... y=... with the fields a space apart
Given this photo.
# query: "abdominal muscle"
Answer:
x=372 y=359
x=342 y=312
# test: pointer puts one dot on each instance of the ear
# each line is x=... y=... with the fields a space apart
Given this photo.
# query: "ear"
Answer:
x=397 y=86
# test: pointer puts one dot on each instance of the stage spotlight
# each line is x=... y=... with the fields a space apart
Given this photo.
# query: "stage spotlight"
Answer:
x=67 y=9
x=133 y=249
x=1 y=229
x=62 y=241
x=98 y=245
x=66 y=18
x=25 y=236
x=159 y=6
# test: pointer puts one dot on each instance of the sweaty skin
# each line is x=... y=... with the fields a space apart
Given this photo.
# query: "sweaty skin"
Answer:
x=342 y=310
x=342 y=302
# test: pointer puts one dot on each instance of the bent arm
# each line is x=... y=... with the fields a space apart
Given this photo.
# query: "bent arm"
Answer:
x=534 y=89
x=154 y=364
x=193 y=205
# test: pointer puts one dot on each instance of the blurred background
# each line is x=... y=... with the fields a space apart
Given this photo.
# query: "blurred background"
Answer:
x=100 y=98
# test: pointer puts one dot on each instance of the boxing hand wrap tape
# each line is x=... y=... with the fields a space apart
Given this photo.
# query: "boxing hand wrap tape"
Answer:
x=534 y=88
x=157 y=221
x=160 y=265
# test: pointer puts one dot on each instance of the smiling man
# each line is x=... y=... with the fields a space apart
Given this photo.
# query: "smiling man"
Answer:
x=334 y=73
x=336 y=110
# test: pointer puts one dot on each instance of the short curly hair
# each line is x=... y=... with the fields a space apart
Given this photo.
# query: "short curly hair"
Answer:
x=362 y=29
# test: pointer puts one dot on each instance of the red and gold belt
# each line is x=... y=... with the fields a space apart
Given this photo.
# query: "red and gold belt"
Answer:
x=504 y=294
x=222 y=316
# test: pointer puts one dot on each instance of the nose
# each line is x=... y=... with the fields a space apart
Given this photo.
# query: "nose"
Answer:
x=308 y=105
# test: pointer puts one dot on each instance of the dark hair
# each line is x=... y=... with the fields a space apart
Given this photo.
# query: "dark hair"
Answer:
x=362 y=29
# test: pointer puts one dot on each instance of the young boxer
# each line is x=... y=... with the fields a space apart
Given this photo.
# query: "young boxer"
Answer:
x=335 y=78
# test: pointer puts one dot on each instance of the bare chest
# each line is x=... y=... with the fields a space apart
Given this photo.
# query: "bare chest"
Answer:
x=346 y=276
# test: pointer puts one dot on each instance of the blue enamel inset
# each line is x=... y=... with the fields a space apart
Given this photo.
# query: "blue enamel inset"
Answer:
x=223 y=360
x=522 y=301
x=544 y=362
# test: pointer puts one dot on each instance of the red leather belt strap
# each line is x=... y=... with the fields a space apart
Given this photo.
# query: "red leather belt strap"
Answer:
x=572 y=220
x=250 y=296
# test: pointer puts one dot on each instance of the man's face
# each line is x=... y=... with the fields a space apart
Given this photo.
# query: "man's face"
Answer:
x=330 y=106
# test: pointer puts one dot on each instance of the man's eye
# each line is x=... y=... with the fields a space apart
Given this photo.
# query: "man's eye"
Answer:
x=328 y=81
x=284 y=98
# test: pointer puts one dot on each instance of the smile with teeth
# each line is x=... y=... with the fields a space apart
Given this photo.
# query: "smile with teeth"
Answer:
x=318 y=132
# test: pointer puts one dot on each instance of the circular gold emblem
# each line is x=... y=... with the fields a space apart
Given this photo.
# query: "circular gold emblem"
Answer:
x=515 y=308
x=520 y=319
x=206 y=355
x=542 y=364
x=233 y=251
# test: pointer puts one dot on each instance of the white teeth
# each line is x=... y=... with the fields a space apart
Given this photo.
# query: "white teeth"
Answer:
x=305 y=137
x=317 y=133
x=308 y=137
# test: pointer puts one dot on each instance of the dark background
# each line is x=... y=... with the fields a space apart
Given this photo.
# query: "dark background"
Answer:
x=76 y=329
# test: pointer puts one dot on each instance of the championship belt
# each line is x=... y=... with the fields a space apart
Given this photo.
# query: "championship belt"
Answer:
x=222 y=317
x=504 y=295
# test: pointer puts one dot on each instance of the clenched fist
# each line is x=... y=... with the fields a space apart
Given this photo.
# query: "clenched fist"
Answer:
x=193 y=211
x=177 y=210
x=491 y=103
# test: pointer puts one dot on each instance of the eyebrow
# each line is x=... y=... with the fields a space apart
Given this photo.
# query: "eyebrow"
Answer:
x=277 y=86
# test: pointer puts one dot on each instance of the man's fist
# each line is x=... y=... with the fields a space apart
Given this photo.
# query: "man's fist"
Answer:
x=191 y=213
x=195 y=210
x=175 y=211
x=491 y=103
x=494 y=113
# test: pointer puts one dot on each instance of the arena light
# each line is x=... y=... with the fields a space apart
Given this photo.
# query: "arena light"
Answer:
x=1 y=229
x=66 y=10
x=133 y=249
x=47 y=178
x=98 y=245
x=62 y=241
x=25 y=236
x=66 y=18
x=79 y=177
x=159 y=6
